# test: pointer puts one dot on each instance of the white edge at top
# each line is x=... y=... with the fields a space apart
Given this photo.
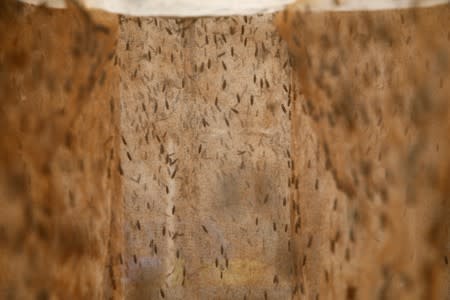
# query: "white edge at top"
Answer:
x=176 y=8
x=198 y=8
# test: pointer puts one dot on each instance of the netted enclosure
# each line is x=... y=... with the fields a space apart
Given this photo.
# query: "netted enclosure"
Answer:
x=299 y=154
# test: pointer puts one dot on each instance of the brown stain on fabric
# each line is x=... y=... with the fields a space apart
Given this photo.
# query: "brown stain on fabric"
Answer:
x=373 y=109
x=59 y=224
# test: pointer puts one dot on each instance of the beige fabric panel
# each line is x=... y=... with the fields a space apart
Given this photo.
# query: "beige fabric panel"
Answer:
x=370 y=138
x=206 y=130
x=59 y=218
